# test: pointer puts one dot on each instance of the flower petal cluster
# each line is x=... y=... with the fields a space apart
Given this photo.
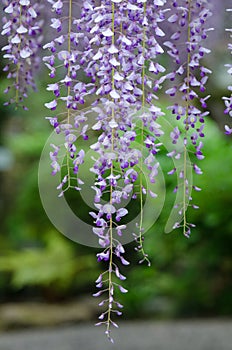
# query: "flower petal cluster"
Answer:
x=22 y=26
x=187 y=82
x=117 y=45
x=123 y=37
x=106 y=66
x=112 y=42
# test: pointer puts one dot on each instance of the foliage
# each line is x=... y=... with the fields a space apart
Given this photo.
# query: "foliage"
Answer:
x=55 y=265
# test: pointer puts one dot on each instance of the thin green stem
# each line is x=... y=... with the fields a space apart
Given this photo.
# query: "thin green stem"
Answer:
x=69 y=46
x=185 y=184
x=142 y=139
x=18 y=64
x=113 y=40
x=69 y=87
x=110 y=283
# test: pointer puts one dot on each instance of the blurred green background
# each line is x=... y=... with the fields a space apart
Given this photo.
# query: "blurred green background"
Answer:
x=187 y=278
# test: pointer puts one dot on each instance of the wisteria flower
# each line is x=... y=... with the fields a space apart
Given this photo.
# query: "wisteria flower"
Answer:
x=108 y=63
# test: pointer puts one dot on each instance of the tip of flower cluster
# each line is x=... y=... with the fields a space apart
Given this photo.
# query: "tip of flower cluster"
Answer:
x=228 y=130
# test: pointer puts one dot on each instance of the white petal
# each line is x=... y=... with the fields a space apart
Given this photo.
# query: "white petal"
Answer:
x=58 y=5
x=159 y=32
x=51 y=104
x=52 y=87
x=114 y=94
x=158 y=48
x=118 y=77
x=98 y=18
x=16 y=39
x=114 y=62
x=108 y=32
x=21 y=29
x=113 y=124
x=9 y=9
x=88 y=6
x=145 y=22
x=8 y=56
x=141 y=60
x=25 y=53
x=32 y=12
x=159 y=2
x=126 y=41
x=24 y=2
x=227 y=128
x=97 y=126
x=7 y=47
x=128 y=86
x=97 y=56
x=113 y=49
x=160 y=68
x=133 y=7
x=56 y=23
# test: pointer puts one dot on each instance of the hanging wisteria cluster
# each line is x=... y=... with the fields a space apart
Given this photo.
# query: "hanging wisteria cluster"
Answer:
x=187 y=83
x=22 y=25
x=121 y=47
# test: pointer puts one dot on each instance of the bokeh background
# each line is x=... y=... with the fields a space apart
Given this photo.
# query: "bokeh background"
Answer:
x=39 y=267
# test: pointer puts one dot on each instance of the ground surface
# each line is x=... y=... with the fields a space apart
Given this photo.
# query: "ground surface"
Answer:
x=178 y=335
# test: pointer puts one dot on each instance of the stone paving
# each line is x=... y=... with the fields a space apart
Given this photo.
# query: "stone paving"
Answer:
x=175 y=335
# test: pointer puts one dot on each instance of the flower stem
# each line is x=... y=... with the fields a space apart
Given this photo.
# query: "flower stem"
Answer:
x=185 y=184
x=18 y=63
x=141 y=249
x=110 y=284
x=68 y=73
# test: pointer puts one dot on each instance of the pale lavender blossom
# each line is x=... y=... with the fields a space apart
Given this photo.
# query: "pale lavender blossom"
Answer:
x=187 y=83
x=22 y=26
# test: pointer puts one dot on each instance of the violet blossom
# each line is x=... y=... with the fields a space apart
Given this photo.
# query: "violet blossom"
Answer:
x=184 y=85
x=22 y=26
